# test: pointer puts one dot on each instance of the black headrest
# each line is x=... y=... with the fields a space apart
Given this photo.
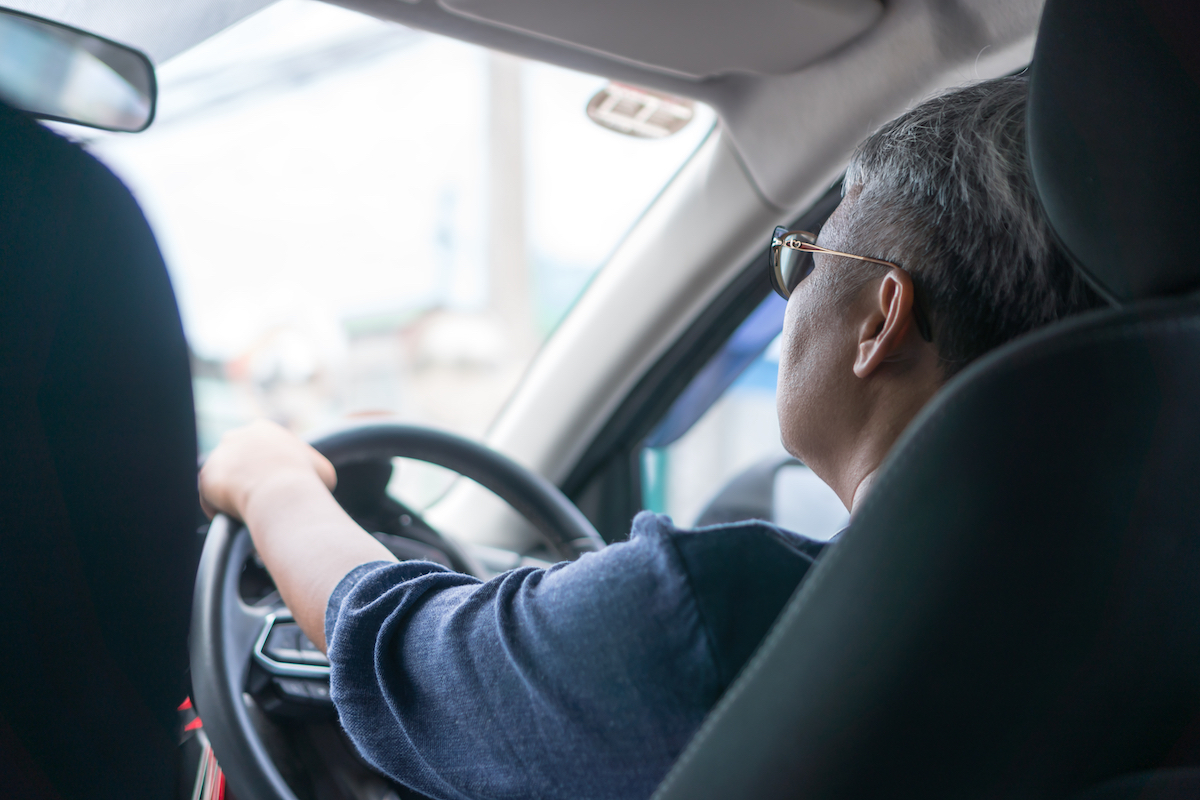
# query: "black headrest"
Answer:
x=1114 y=140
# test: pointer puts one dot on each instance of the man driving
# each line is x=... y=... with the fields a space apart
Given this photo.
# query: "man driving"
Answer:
x=588 y=678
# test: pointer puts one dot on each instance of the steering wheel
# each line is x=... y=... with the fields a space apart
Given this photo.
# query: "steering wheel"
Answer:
x=231 y=640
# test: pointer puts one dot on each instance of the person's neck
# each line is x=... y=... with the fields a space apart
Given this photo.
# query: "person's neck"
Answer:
x=863 y=488
x=873 y=441
x=859 y=470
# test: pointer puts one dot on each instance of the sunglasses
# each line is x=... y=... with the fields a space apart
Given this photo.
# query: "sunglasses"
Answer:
x=792 y=262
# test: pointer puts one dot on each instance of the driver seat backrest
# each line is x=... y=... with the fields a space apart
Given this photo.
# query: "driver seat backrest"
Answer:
x=1014 y=612
x=98 y=505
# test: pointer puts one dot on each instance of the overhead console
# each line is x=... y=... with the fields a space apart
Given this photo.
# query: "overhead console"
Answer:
x=765 y=37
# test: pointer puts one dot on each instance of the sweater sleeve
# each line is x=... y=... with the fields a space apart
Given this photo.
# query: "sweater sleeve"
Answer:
x=584 y=680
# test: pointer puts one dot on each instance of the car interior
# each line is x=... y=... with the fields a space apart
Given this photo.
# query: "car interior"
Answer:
x=1013 y=611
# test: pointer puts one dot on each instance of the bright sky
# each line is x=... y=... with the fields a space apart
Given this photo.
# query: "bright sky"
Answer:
x=312 y=165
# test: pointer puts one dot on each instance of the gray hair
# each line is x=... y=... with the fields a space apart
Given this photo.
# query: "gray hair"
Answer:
x=945 y=190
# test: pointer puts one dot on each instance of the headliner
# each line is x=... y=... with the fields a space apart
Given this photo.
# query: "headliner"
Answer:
x=866 y=67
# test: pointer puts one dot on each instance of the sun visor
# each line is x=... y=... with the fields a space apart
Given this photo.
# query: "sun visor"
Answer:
x=695 y=39
x=1114 y=116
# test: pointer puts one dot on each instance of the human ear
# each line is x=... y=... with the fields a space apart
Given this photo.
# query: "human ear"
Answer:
x=886 y=326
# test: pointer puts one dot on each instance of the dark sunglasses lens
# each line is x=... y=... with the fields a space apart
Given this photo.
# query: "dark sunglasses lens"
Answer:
x=794 y=265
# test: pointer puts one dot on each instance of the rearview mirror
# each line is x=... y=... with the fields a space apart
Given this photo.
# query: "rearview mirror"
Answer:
x=56 y=72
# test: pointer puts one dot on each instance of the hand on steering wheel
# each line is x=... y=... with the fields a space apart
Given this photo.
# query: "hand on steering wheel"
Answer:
x=250 y=455
x=227 y=632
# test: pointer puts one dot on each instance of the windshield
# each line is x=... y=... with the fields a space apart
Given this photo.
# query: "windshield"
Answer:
x=364 y=219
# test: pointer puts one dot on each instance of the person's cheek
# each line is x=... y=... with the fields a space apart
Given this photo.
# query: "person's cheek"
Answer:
x=789 y=393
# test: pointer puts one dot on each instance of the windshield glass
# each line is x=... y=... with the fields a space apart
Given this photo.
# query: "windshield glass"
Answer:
x=364 y=219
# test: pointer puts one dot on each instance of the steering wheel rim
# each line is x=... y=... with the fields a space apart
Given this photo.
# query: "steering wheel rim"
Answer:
x=566 y=530
x=224 y=628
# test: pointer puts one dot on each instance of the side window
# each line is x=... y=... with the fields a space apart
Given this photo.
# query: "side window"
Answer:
x=716 y=455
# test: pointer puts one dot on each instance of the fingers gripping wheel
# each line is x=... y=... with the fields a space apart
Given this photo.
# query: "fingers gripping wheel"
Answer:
x=225 y=630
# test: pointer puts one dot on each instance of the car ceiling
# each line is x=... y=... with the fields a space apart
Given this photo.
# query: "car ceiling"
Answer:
x=857 y=63
x=159 y=28
x=783 y=74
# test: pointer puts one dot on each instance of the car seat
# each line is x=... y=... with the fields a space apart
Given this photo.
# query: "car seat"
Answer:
x=98 y=504
x=1014 y=612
